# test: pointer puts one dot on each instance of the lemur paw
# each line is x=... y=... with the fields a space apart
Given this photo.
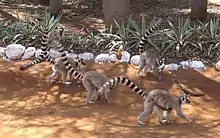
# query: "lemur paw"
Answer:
x=139 y=75
x=89 y=102
x=67 y=83
x=139 y=121
x=51 y=81
x=165 y=122
x=189 y=120
x=159 y=78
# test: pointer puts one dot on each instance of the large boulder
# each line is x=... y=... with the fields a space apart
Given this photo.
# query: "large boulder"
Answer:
x=125 y=57
x=72 y=55
x=195 y=64
x=54 y=53
x=112 y=58
x=29 y=52
x=14 y=51
x=101 y=58
x=172 y=66
x=135 y=60
x=38 y=52
x=86 y=56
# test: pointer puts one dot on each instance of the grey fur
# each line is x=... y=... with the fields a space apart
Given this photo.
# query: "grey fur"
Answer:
x=150 y=63
x=59 y=69
x=159 y=99
x=166 y=102
x=148 y=60
x=92 y=81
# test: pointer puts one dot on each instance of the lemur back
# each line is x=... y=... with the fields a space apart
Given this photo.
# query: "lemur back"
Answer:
x=92 y=81
x=148 y=60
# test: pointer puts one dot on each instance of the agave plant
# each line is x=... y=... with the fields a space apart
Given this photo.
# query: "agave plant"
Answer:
x=48 y=21
x=108 y=36
x=27 y=30
x=122 y=35
x=178 y=36
x=209 y=36
x=94 y=39
x=137 y=32
x=8 y=33
x=76 y=40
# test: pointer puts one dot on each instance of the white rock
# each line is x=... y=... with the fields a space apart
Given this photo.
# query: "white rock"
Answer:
x=29 y=52
x=112 y=58
x=125 y=57
x=2 y=51
x=54 y=53
x=38 y=52
x=192 y=64
x=72 y=55
x=217 y=65
x=102 y=58
x=14 y=51
x=86 y=56
x=172 y=66
x=135 y=60
x=185 y=64
x=197 y=65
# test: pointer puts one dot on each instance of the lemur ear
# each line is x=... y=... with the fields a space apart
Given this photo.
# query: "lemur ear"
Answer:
x=157 y=61
x=189 y=96
x=163 y=59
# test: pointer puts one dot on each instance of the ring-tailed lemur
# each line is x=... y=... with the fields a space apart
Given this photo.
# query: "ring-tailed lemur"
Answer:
x=47 y=36
x=63 y=66
x=148 y=60
x=97 y=83
x=59 y=69
x=161 y=99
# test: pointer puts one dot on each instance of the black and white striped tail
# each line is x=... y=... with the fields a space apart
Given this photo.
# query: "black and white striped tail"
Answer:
x=75 y=74
x=148 y=32
x=44 y=49
x=121 y=80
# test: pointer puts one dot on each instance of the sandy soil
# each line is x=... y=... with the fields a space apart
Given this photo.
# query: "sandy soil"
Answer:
x=31 y=108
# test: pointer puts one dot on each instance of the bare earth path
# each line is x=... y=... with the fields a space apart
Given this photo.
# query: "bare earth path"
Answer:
x=30 y=108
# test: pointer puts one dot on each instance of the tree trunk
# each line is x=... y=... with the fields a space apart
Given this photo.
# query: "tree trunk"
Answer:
x=56 y=7
x=117 y=9
x=44 y=2
x=199 y=9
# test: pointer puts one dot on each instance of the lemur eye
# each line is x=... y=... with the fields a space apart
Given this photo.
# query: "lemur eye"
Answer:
x=183 y=98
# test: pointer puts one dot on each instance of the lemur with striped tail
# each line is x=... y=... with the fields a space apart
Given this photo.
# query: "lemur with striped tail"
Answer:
x=59 y=67
x=47 y=37
x=148 y=60
x=161 y=99
x=54 y=38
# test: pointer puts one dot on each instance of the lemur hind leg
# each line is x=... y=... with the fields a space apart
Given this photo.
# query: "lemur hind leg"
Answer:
x=148 y=109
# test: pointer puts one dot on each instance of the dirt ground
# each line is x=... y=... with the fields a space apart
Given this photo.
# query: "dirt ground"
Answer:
x=31 y=108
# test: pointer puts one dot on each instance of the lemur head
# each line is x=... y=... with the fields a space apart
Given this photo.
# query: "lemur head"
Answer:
x=185 y=94
x=185 y=99
x=81 y=61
